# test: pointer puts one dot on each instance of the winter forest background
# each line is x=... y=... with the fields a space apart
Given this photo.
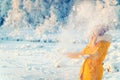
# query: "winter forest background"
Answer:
x=36 y=34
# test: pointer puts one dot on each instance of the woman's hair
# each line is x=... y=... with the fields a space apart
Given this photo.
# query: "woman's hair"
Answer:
x=100 y=30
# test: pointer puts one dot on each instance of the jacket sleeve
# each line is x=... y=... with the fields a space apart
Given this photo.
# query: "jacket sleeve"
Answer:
x=87 y=50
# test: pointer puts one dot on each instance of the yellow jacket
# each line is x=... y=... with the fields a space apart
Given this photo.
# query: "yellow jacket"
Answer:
x=92 y=68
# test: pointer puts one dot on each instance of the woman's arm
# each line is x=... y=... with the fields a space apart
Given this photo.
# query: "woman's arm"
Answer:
x=74 y=55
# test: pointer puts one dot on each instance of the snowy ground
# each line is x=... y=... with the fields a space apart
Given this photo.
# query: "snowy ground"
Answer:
x=23 y=60
x=30 y=61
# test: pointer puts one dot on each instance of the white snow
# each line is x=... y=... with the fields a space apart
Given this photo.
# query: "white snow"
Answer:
x=46 y=61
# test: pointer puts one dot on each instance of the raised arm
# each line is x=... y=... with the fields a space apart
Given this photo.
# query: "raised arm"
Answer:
x=79 y=54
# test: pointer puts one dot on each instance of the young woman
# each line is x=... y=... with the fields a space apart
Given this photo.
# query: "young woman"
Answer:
x=92 y=68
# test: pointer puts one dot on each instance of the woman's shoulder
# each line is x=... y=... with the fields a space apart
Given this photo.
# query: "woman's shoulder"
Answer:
x=104 y=39
x=103 y=43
